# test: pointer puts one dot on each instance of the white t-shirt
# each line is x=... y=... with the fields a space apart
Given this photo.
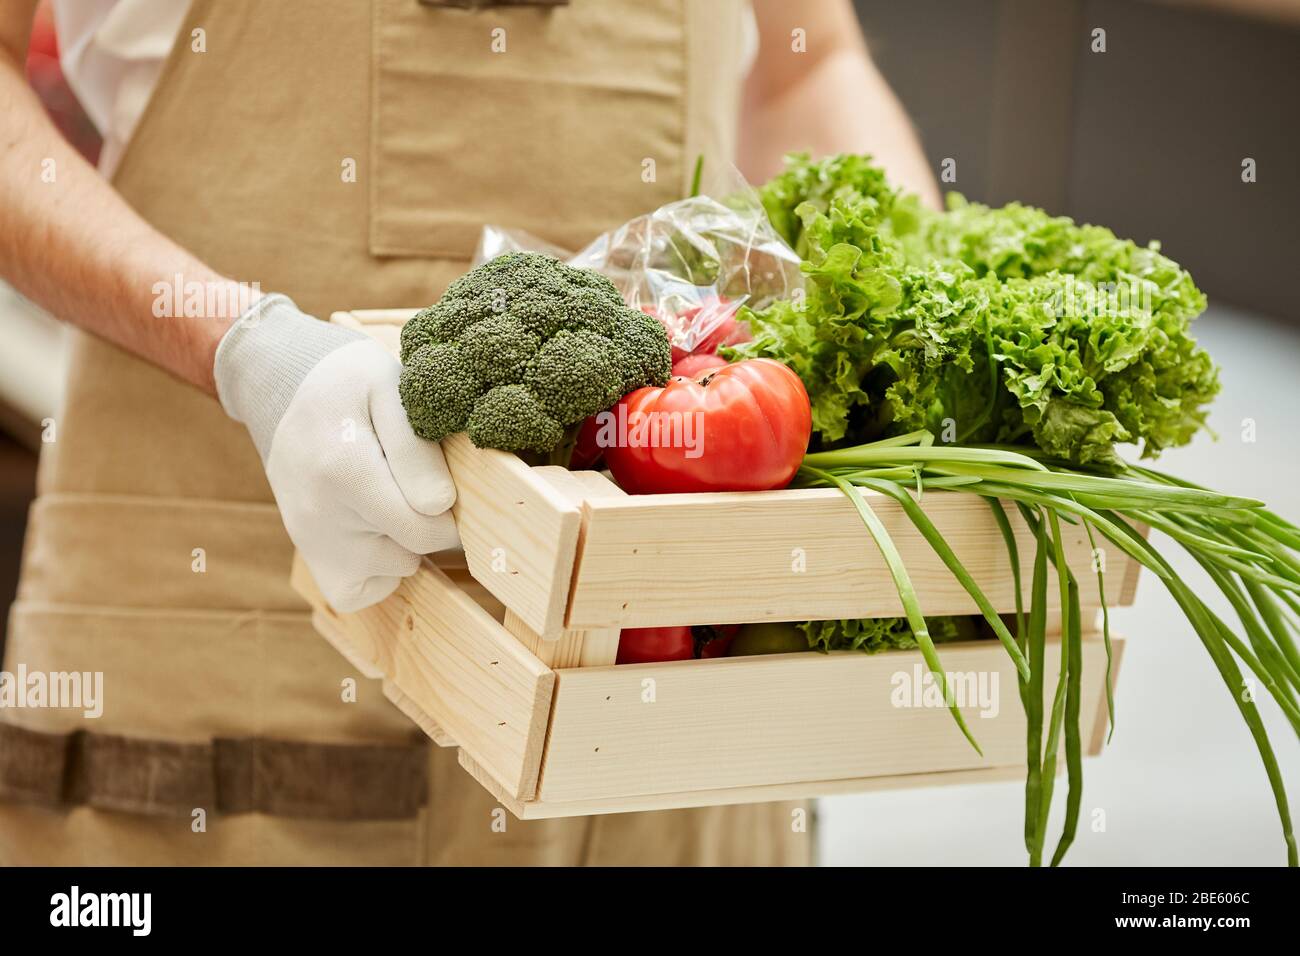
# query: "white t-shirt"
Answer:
x=112 y=53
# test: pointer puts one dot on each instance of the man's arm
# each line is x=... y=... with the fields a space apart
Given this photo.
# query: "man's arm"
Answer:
x=73 y=246
x=828 y=99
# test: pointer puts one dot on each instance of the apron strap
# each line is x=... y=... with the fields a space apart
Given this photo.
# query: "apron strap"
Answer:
x=286 y=778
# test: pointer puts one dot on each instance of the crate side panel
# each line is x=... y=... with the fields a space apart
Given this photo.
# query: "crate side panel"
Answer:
x=520 y=535
x=762 y=721
x=453 y=663
x=545 y=810
x=796 y=555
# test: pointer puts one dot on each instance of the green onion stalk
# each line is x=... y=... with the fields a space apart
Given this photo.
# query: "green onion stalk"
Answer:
x=1250 y=554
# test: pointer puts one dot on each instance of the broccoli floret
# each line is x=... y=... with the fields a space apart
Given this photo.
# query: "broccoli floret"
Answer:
x=575 y=371
x=441 y=323
x=438 y=391
x=590 y=310
x=521 y=350
x=640 y=339
x=512 y=415
x=498 y=349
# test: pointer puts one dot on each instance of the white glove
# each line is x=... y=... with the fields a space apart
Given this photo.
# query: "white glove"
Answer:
x=361 y=496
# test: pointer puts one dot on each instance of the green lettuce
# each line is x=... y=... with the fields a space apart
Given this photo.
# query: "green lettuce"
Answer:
x=882 y=634
x=982 y=325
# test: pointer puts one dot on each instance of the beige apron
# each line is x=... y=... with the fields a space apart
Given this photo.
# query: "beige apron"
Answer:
x=155 y=554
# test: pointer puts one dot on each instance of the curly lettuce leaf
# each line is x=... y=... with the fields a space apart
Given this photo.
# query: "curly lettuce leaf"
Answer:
x=873 y=635
x=983 y=325
x=849 y=177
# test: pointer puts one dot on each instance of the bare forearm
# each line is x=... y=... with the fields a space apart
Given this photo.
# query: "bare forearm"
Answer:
x=75 y=248
x=829 y=98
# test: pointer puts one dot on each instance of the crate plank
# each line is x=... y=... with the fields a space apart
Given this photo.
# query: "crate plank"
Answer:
x=545 y=810
x=788 y=718
x=412 y=710
x=519 y=533
x=456 y=665
x=573 y=649
x=800 y=554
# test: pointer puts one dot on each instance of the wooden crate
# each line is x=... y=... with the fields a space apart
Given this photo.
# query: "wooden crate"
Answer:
x=510 y=654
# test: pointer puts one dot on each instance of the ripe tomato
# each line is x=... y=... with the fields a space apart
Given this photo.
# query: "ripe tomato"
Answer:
x=646 y=645
x=586 y=453
x=742 y=427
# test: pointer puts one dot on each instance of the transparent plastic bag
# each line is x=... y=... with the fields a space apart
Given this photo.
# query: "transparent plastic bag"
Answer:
x=691 y=263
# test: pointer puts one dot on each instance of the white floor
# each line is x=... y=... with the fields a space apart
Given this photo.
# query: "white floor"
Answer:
x=1182 y=783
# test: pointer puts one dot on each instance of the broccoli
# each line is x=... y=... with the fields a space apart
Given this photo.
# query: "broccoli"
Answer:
x=520 y=351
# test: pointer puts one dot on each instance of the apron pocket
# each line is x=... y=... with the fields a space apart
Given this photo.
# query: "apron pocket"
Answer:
x=537 y=118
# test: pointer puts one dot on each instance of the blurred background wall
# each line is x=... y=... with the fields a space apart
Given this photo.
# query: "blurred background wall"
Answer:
x=1147 y=138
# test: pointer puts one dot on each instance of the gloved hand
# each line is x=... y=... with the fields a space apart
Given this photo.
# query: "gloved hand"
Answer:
x=361 y=496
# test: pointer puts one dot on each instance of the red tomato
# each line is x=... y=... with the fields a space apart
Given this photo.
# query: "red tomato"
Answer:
x=646 y=645
x=696 y=364
x=743 y=427
x=586 y=453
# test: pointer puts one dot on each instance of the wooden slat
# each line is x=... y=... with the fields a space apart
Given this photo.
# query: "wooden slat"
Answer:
x=481 y=595
x=520 y=535
x=422 y=720
x=329 y=627
x=573 y=649
x=790 y=718
x=599 y=648
x=657 y=560
x=583 y=485
x=379 y=317
x=456 y=665
x=543 y=810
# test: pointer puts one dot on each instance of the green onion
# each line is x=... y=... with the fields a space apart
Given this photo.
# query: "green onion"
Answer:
x=945 y=553
x=906 y=593
x=1105 y=634
x=1247 y=551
